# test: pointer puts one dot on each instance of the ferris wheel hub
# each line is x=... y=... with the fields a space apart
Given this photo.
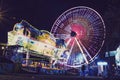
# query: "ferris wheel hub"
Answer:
x=78 y=31
x=73 y=34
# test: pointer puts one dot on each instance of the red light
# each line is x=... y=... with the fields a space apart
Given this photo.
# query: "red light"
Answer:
x=79 y=30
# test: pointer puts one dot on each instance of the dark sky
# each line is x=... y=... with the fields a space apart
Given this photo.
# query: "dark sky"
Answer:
x=42 y=14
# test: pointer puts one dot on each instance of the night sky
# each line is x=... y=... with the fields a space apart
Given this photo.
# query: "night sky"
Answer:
x=42 y=14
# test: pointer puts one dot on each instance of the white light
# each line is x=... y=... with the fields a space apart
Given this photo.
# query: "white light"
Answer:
x=118 y=49
x=3 y=48
x=19 y=51
x=102 y=63
x=68 y=42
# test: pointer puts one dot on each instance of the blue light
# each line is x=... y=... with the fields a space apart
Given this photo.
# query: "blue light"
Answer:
x=102 y=63
x=19 y=26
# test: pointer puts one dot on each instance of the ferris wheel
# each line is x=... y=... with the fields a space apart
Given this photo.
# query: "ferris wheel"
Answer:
x=83 y=31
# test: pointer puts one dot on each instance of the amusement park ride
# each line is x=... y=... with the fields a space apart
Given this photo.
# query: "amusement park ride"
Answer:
x=75 y=39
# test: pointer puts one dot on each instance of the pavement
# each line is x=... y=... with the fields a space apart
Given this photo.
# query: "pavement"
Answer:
x=17 y=76
x=24 y=76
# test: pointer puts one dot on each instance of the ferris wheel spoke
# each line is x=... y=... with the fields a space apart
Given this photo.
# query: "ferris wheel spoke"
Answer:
x=86 y=50
x=71 y=50
x=68 y=42
x=72 y=46
x=84 y=56
x=62 y=36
